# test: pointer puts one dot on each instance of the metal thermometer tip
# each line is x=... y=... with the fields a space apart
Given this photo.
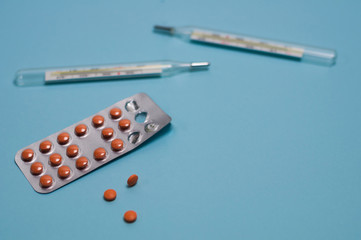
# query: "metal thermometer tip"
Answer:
x=200 y=65
x=164 y=29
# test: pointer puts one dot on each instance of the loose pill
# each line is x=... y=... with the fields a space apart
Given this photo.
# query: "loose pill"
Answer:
x=72 y=151
x=55 y=159
x=81 y=163
x=46 y=181
x=100 y=154
x=98 y=121
x=110 y=194
x=115 y=113
x=124 y=124
x=64 y=172
x=63 y=138
x=45 y=146
x=80 y=130
x=107 y=133
x=117 y=144
x=132 y=180
x=130 y=216
x=27 y=155
x=36 y=168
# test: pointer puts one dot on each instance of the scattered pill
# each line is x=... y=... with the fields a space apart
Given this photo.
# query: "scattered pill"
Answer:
x=110 y=194
x=132 y=180
x=115 y=113
x=81 y=130
x=72 y=151
x=64 y=172
x=63 y=138
x=36 y=168
x=98 y=121
x=117 y=144
x=130 y=216
x=124 y=124
x=55 y=159
x=46 y=181
x=45 y=146
x=107 y=133
x=27 y=155
x=81 y=163
x=100 y=154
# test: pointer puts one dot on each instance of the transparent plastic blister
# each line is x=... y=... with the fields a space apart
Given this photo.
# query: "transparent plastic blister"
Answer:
x=145 y=118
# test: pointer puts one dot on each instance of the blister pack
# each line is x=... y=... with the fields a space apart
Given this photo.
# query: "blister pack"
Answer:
x=63 y=157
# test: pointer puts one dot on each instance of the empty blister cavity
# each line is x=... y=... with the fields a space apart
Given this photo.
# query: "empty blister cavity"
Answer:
x=131 y=106
x=151 y=127
x=141 y=117
x=134 y=137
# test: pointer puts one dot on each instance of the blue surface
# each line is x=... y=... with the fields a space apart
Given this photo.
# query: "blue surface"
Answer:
x=259 y=148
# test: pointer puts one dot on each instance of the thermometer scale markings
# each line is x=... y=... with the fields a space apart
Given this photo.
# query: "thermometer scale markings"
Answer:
x=96 y=73
x=246 y=43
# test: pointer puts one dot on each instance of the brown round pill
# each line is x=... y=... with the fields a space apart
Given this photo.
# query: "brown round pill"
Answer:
x=100 y=154
x=107 y=133
x=27 y=155
x=55 y=159
x=46 y=181
x=115 y=113
x=124 y=124
x=72 y=151
x=45 y=146
x=81 y=163
x=130 y=216
x=117 y=144
x=80 y=130
x=110 y=195
x=36 y=168
x=98 y=121
x=64 y=172
x=63 y=138
x=132 y=180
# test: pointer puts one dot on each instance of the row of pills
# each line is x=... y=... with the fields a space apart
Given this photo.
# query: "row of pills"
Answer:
x=55 y=160
x=72 y=151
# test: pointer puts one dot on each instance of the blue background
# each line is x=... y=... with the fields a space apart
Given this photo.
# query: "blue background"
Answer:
x=259 y=147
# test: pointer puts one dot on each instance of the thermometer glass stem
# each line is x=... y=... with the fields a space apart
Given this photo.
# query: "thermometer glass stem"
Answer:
x=261 y=45
x=40 y=76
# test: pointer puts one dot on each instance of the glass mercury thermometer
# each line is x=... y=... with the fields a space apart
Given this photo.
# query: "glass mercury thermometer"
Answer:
x=26 y=77
x=261 y=45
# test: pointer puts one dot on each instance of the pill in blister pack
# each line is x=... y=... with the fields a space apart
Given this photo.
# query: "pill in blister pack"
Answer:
x=63 y=157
